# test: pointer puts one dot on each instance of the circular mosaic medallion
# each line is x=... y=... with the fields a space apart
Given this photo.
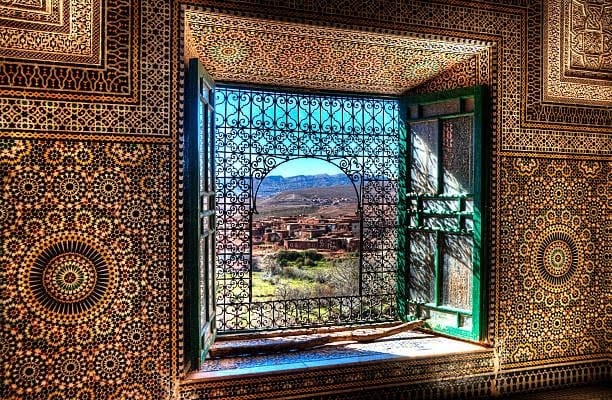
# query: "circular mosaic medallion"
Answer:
x=229 y=51
x=68 y=278
x=558 y=259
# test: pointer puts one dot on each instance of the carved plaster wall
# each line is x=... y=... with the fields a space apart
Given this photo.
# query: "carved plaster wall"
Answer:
x=578 y=43
x=90 y=265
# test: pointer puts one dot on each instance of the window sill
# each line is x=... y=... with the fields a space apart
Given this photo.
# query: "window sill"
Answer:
x=411 y=346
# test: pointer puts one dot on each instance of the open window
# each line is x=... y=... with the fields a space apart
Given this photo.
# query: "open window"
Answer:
x=418 y=165
x=260 y=131
x=199 y=206
x=443 y=213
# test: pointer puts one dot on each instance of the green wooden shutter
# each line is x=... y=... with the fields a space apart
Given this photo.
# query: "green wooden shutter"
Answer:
x=199 y=206
x=442 y=212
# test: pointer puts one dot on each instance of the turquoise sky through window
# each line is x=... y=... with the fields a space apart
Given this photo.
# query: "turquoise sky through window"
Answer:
x=259 y=131
x=305 y=166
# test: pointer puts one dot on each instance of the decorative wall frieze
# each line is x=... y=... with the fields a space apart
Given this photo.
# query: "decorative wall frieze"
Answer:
x=578 y=52
x=125 y=91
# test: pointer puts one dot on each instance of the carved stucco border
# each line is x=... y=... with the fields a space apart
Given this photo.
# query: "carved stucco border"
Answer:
x=557 y=89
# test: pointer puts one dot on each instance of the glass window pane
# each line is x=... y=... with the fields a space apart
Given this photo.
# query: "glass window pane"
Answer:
x=469 y=224
x=457 y=272
x=203 y=278
x=465 y=322
x=440 y=108
x=414 y=111
x=468 y=104
x=444 y=224
x=210 y=255
x=202 y=150
x=469 y=205
x=440 y=205
x=211 y=153
x=204 y=225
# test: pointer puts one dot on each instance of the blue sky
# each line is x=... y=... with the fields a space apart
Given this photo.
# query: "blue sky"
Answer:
x=305 y=166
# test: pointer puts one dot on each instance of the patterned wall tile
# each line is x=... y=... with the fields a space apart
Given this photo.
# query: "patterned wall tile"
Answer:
x=73 y=209
x=42 y=15
x=475 y=71
x=522 y=92
x=515 y=105
x=355 y=380
x=85 y=261
x=73 y=56
x=578 y=107
x=587 y=44
x=468 y=377
x=552 y=286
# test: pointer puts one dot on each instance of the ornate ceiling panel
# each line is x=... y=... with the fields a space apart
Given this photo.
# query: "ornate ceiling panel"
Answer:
x=240 y=49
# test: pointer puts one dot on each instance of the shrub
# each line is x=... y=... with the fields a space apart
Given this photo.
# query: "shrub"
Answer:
x=313 y=255
x=321 y=277
x=294 y=273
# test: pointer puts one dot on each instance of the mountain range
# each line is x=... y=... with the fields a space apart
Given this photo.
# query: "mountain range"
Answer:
x=275 y=184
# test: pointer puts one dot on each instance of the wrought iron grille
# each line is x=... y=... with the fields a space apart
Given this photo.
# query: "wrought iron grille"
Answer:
x=257 y=130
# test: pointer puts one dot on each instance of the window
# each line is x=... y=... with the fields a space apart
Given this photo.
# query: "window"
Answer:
x=443 y=214
x=259 y=130
x=416 y=167
x=199 y=215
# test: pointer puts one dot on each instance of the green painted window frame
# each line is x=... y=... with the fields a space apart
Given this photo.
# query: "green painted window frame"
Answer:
x=200 y=334
x=199 y=226
x=409 y=309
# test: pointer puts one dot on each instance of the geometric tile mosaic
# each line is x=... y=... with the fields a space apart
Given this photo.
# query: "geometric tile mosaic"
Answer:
x=52 y=30
x=587 y=45
x=348 y=381
x=128 y=93
x=72 y=208
x=472 y=72
x=256 y=51
x=79 y=49
x=552 y=281
x=521 y=96
x=41 y=15
x=84 y=270
x=553 y=99
x=467 y=376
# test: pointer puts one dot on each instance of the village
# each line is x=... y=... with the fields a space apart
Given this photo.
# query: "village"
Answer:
x=325 y=234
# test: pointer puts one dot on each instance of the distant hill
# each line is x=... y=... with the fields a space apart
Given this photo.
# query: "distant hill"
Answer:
x=346 y=192
x=274 y=184
x=329 y=201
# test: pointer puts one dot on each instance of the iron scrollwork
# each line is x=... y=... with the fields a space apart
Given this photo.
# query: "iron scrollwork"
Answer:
x=257 y=130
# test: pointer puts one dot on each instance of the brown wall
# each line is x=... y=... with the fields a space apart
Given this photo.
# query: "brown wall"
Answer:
x=89 y=161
